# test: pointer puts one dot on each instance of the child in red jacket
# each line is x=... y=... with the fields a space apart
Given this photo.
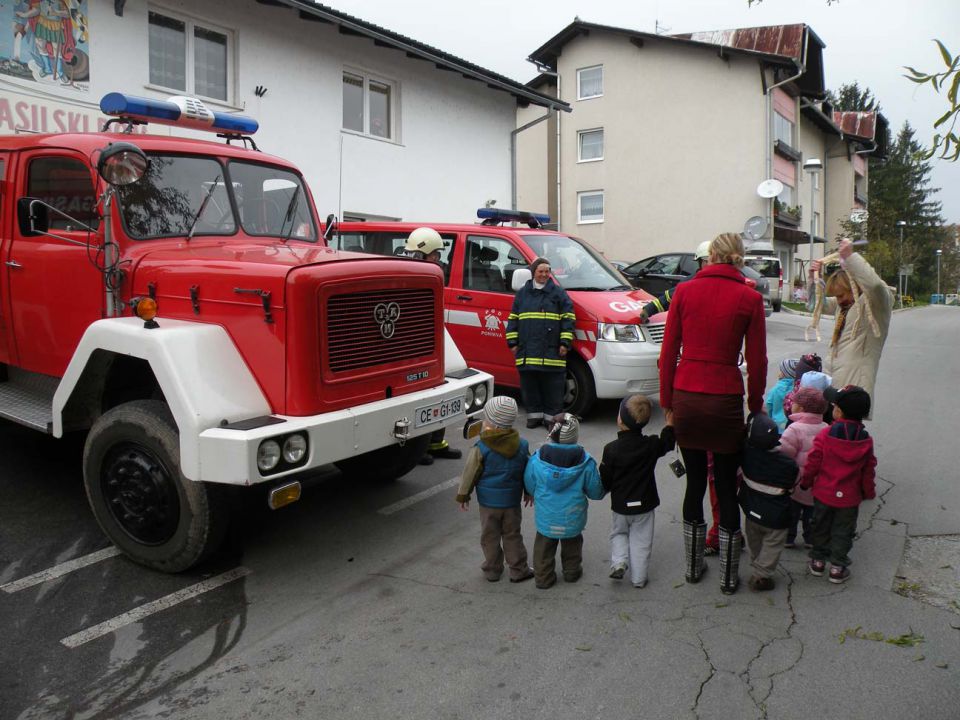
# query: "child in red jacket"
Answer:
x=840 y=468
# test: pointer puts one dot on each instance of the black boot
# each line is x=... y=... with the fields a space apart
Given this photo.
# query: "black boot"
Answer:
x=694 y=540
x=731 y=544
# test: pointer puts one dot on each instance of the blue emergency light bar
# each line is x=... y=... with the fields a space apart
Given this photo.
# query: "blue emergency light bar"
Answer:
x=493 y=216
x=180 y=110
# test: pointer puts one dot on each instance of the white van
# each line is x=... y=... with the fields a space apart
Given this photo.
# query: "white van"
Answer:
x=769 y=267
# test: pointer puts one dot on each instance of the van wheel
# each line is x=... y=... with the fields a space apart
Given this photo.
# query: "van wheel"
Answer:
x=579 y=393
x=388 y=463
x=142 y=501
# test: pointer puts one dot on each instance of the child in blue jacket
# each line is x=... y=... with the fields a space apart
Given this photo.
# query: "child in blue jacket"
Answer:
x=561 y=476
x=776 y=395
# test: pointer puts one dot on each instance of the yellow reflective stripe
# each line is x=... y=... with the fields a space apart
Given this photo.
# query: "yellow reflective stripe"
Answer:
x=512 y=316
x=566 y=336
x=555 y=363
x=539 y=316
x=656 y=302
x=512 y=335
x=549 y=362
x=519 y=361
x=569 y=316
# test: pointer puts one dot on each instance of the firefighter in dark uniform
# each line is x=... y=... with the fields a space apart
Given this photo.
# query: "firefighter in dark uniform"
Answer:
x=539 y=334
x=425 y=244
x=662 y=302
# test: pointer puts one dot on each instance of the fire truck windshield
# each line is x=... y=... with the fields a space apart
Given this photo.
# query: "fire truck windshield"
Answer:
x=180 y=194
x=575 y=265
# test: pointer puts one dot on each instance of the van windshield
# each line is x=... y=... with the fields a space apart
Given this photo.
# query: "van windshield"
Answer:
x=575 y=265
x=768 y=267
x=180 y=195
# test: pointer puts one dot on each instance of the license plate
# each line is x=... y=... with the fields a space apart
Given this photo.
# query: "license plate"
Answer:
x=438 y=411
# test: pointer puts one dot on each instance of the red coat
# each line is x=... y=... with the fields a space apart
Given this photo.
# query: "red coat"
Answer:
x=710 y=316
x=841 y=466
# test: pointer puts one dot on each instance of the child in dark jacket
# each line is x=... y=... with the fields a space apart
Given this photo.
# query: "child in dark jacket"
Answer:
x=495 y=467
x=561 y=476
x=768 y=477
x=627 y=473
x=840 y=468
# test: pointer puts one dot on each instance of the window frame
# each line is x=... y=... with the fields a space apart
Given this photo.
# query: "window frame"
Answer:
x=603 y=141
x=55 y=217
x=190 y=23
x=580 y=95
x=593 y=220
x=367 y=77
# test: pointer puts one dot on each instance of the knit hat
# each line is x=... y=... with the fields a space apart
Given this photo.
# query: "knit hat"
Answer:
x=807 y=363
x=537 y=263
x=565 y=429
x=500 y=411
x=762 y=432
x=810 y=400
x=820 y=381
x=788 y=366
x=853 y=401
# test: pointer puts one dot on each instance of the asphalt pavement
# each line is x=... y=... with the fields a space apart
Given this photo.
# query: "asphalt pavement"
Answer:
x=367 y=601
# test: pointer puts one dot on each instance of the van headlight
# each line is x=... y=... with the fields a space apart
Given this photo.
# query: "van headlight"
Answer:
x=268 y=455
x=294 y=448
x=468 y=398
x=616 y=332
x=480 y=395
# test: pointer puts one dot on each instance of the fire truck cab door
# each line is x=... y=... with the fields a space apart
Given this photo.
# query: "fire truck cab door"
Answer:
x=479 y=304
x=55 y=291
x=6 y=212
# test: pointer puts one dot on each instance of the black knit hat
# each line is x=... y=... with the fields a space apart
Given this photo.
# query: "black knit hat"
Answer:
x=762 y=432
x=537 y=263
x=807 y=363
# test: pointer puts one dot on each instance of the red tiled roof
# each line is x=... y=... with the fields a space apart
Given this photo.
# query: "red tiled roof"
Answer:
x=858 y=124
x=783 y=40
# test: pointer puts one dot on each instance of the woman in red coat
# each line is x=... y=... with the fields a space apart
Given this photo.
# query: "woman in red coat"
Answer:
x=710 y=318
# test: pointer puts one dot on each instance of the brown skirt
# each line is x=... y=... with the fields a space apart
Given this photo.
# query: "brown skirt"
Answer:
x=708 y=422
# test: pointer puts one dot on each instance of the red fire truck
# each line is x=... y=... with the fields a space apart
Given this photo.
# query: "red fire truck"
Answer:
x=173 y=298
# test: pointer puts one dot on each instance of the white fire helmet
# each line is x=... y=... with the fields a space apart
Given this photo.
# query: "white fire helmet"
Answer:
x=424 y=240
x=703 y=250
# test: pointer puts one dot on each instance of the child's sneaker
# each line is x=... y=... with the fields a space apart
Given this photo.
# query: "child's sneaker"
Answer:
x=761 y=584
x=640 y=584
x=839 y=574
x=816 y=567
x=617 y=571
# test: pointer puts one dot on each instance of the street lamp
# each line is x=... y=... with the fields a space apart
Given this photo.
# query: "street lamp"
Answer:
x=813 y=166
x=939 y=253
x=901 y=224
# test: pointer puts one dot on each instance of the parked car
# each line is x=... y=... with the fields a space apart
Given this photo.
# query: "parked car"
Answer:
x=660 y=273
x=769 y=267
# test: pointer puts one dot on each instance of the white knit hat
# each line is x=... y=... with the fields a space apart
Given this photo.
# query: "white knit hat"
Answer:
x=569 y=429
x=500 y=411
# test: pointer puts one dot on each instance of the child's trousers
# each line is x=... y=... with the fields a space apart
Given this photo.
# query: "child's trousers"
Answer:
x=631 y=542
x=502 y=525
x=545 y=559
x=765 y=545
x=833 y=530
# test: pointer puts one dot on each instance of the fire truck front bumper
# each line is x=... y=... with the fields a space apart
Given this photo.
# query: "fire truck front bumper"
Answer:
x=268 y=448
x=622 y=368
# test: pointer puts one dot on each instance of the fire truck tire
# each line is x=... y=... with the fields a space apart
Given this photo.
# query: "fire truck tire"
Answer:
x=386 y=464
x=142 y=501
x=580 y=393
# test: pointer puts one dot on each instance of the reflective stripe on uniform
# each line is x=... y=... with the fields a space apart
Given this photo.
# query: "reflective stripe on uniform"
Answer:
x=548 y=362
x=539 y=316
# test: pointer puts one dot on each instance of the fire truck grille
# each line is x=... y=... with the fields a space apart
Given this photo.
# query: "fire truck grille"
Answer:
x=655 y=332
x=380 y=327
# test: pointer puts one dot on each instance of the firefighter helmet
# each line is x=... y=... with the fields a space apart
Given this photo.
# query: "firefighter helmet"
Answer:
x=424 y=240
x=703 y=250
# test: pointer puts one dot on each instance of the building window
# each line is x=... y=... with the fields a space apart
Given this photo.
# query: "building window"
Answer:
x=590 y=82
x=190 y=57
x=590 y=206
x=782 y=129
x=65 y=184
x=368 y=105
x=589 y=145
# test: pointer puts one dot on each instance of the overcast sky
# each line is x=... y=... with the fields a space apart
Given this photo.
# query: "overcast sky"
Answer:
x=867 y=40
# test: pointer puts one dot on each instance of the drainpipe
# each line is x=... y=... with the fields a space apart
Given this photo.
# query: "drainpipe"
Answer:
x=544 y=70
x=513 y=153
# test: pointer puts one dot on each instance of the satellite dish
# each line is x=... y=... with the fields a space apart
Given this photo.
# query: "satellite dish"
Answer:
x=859 y=216
x=769 y=188
x=754 y=228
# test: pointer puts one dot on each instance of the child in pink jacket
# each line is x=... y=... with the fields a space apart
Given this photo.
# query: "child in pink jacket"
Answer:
x=806 y=420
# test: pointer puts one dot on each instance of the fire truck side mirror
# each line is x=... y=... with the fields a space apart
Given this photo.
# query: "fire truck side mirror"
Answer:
x=33 y=217
x=519 y=279
x=331 y=227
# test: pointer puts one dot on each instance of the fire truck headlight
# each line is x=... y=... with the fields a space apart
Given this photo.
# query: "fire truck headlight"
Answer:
x=480 y=395
x=615 y=332
x=468 y=400
x=294 y=449
x=268 y=455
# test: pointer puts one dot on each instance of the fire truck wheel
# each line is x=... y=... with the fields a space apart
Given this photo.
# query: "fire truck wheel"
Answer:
x=579 y=392
x=386 y=464
x=144 y=504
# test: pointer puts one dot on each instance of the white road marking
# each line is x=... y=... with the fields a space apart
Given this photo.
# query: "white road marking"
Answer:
x=60 y=570
x=414 y=499
x=151 y=608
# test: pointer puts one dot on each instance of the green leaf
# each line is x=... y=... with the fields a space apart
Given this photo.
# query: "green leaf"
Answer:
x=952 y=92
x=946 y=116
x=947 y=57
x=584 y=648
x=942 y=666
x=918 y=80
x=915 y=73
x=625 y=617
x=721 y=605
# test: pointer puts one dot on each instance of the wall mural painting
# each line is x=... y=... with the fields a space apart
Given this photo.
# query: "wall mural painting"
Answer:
x=46 y=41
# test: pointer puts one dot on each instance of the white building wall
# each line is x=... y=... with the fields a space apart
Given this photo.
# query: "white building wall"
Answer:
x=452 y=148
x=684 y=134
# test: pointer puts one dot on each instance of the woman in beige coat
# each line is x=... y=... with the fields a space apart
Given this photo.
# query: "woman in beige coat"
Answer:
x=862 y=304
